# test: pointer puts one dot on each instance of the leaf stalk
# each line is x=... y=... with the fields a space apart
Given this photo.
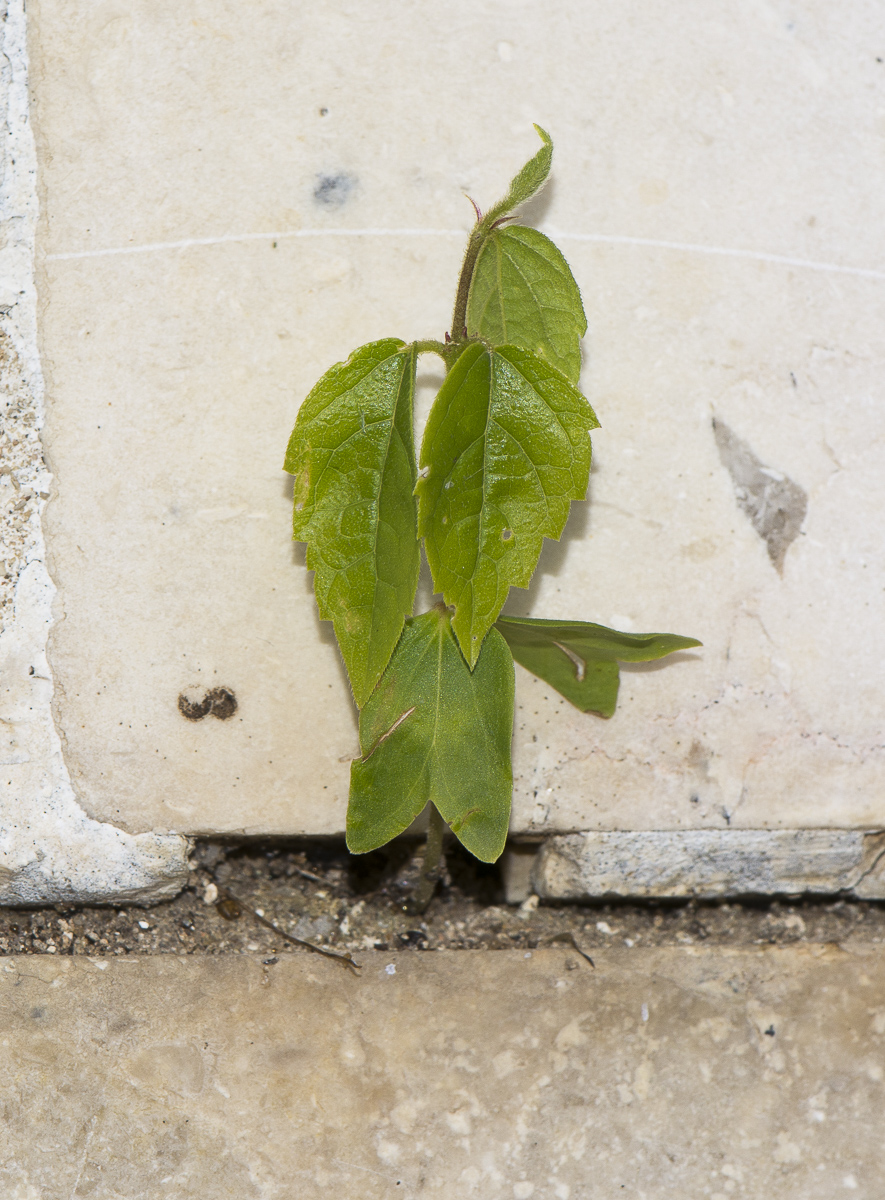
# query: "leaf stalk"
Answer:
x=481 y=231
x=431 y=867
x=429 y=346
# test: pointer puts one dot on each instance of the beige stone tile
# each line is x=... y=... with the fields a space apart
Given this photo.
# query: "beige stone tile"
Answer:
x=672 y=1072
x=723 y=164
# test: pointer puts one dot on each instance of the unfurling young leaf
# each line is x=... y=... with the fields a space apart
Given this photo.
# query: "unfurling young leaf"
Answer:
x=581 y=659
x=524 y=294
x=506 y=450
x=527 y=182
x=434 y=730
x=353 y=457
x=524 y=185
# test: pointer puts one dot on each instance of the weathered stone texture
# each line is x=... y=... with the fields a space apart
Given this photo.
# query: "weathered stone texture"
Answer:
x=706 y=863
x=679 y=1072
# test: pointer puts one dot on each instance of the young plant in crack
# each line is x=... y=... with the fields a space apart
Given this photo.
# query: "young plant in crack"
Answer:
x=505 y=451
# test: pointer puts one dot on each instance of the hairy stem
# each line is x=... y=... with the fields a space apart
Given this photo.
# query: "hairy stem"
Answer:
x=431 y=347
x=459 y=316
x=431 y=866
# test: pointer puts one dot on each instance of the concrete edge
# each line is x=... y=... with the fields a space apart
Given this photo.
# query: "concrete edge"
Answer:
x=50 y=850
x=700 y=863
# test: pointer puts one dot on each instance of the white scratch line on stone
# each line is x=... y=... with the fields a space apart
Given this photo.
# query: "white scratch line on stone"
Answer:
x=356 y=1167
x=608 y=239
x=782 y=260
x=150 y=247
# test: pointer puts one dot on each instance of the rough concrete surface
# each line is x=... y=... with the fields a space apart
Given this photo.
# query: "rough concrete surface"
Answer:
x=684 y=1072
x=709 y=862
x=50 y=850
x=230 y=206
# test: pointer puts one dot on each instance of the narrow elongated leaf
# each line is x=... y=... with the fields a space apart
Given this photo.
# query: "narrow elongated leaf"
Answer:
x=580 y=659
x=353 y=457
x=434 y=730
x=506 y=449
x=524 y=294
x=528 y=181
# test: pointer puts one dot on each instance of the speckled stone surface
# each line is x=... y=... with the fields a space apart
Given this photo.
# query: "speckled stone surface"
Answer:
x=660 y=1073
x=229 y=206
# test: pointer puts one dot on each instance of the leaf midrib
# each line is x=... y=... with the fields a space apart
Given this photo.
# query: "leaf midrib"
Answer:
x=372 y=554
x=543 y=308
x=377 y=523
x=499 y=245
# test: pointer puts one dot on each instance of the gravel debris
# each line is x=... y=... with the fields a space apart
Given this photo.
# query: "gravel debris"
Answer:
x=319 y=893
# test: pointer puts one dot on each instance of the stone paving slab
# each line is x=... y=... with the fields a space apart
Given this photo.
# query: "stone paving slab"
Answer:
x=754 y=1073
x=200 y=261
x=223 y=207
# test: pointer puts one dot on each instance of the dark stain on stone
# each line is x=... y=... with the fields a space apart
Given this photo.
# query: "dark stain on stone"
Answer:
x=333 y=191
x=219 y=701
x=775 y=505
x=698 y=757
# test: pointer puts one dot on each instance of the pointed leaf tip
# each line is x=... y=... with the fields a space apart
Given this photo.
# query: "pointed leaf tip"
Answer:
x=526 y=182
x=433 y=730
x=580 y=659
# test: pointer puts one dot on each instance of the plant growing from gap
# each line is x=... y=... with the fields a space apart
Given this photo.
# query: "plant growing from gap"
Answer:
x=505 y=451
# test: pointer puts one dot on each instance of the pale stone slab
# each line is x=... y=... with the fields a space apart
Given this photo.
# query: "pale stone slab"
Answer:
x=705 y=863
x=50 y=849
x=669 y=1072
x=231 y=205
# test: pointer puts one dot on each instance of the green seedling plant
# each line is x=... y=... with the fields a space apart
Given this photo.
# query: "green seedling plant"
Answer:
x=505 y=450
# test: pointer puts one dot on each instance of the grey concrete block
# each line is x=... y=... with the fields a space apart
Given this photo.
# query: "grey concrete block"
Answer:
x=710 y=863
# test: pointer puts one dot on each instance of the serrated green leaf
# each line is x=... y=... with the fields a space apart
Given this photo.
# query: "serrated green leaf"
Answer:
x=580 y=659
x=353 y=457
x=528 y=181
x=506 y=450
x=433 y=730
x=524 y=294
